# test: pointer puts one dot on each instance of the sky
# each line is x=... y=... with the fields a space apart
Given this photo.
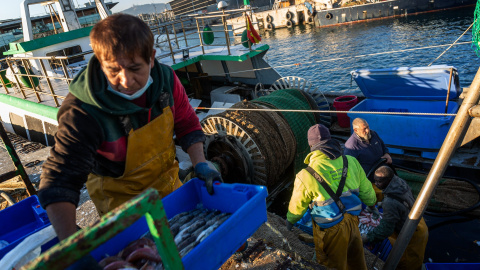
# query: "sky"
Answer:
x=11 y=8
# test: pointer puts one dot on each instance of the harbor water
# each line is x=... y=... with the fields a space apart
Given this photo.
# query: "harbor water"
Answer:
x=326 y=56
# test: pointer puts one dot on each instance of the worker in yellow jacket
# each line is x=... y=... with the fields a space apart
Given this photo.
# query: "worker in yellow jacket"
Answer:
x=334 y=186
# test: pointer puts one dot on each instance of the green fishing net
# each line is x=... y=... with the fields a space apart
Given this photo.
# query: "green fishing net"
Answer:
x=476 y=30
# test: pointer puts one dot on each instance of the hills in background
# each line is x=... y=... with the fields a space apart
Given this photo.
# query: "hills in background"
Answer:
x=146 y=8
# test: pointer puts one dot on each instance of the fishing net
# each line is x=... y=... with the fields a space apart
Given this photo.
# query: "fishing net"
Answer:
x=450 y=195
x=476 y=30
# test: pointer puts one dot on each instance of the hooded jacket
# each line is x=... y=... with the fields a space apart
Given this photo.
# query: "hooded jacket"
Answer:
x=308 y=191
x=394 y=212
x=93 y=129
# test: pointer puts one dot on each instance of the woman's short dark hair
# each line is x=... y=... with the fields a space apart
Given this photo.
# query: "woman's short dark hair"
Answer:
x=122 y=35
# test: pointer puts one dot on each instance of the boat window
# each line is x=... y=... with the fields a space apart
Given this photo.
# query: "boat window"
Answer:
x=54 y=64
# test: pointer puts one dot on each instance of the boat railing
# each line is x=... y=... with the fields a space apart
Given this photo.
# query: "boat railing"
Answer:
x=184 y=35
x=26 y=81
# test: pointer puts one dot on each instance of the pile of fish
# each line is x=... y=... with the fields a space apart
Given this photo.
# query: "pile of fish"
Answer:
x=188 y=229
x=367 y=222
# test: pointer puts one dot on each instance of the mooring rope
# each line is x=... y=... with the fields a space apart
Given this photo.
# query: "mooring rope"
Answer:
x=452 y=44
x=341 y=58
x=326 y=111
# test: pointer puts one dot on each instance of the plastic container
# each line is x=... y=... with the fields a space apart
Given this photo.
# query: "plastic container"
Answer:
x=452 y=266
x=246 y=203
x=344 y=103
x=21 y=220
x=421 y=90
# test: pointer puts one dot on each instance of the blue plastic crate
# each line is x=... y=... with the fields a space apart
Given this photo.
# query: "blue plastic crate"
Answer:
x=412 y=132
x=246 y=203
x=21 y=220
x=409 y=89
x=452 y=266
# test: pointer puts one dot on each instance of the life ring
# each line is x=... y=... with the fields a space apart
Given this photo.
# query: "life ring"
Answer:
x=310 y=20
x=269 y=18
x=269 y=26
x=328 y=16
x=289 y=15
x=289 y=24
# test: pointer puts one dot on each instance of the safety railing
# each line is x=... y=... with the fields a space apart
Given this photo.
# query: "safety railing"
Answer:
x=26 y=81
x=184 y=35
x=33 y=74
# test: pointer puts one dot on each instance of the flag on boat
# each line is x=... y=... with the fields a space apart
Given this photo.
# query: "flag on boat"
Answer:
x=252 y=35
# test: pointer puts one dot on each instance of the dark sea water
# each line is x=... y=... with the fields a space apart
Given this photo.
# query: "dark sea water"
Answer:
x=341 y=49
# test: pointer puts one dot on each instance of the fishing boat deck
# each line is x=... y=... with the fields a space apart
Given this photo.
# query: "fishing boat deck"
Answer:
x=195 y=54
x=46 y=97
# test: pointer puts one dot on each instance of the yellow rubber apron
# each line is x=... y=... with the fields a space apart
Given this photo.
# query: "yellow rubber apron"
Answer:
x=150 y=162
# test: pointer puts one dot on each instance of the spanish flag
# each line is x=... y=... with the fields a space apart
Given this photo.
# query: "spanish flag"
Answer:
x=252 y=35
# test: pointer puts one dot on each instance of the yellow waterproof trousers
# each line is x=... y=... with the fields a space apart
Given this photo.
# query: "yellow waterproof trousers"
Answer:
x=340 y=246
x=150 y=162
x=412 y=258
x=378 y=193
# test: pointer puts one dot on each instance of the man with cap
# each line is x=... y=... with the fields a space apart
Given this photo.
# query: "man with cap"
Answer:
x=368 y=148
x=396 y=205
x=334 y=187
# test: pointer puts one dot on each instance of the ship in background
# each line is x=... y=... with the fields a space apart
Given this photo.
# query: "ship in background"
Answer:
x=324 y=13
x=335 y=12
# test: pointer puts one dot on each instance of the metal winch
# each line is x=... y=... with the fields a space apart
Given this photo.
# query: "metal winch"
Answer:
x=258 y=146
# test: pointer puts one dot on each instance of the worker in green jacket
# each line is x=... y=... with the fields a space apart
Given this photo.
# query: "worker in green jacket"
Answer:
x=336 y=235
x=397 y=202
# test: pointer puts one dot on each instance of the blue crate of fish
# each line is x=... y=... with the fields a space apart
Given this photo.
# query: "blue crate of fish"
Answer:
x=410 y=90
x=21 y=220
x=245 y=203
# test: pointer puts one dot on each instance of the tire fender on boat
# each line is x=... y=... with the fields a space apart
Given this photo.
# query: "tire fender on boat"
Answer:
x=269 y=18
x=310 y=20
x=328 y=16
x=269 y=26
x=289 y=15
x=289 y=24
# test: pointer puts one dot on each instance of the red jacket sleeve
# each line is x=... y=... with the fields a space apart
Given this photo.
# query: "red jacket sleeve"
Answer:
x=185 y=119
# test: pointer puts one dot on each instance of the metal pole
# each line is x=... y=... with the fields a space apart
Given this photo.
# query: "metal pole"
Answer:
x=225 y=29
x=4 y=84
x=16 y=79
x=448 y=92
x=65 y=70
x=16 y=162
x=51 y=18
x=184 y=35
x=175 y=33
x=452 y=140
x=49 y=83
x=200 y=36
x=27 y=71
x=169 y=44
